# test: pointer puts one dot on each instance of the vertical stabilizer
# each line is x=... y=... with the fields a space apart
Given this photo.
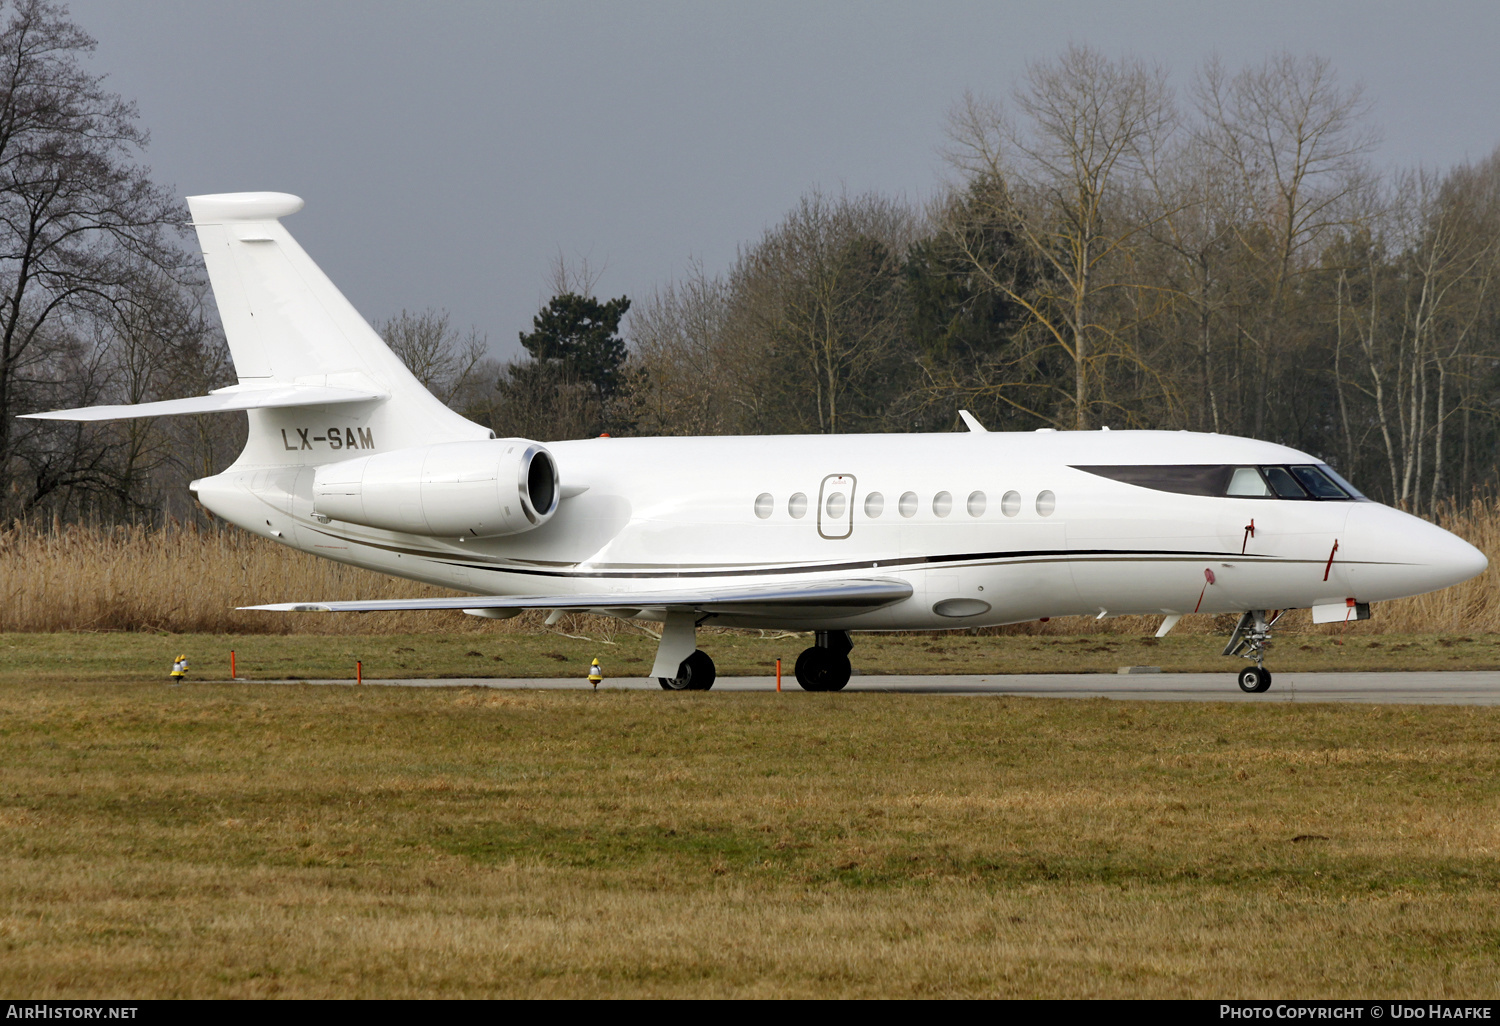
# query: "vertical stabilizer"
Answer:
x=287 y=324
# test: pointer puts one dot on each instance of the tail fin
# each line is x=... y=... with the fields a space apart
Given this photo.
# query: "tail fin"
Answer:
x=287 y=324
x=314 y=377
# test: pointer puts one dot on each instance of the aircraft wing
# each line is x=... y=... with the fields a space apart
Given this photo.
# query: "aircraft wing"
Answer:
x=855 y=594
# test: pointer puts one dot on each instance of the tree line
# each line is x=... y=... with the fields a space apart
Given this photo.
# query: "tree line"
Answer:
x=1112 y=248
x=1111 y=251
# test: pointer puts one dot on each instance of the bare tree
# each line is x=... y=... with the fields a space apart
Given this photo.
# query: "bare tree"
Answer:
x=821 y=291
x=1197 y=194
x=1297 y=141
x=442 y=358
x=1454 y=269
x=686 y=374
x=1089 y=129
x=1417 y=305
x=83 y=231
x=580 y=276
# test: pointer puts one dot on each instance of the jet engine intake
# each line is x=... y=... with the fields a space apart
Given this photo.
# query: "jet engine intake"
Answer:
x=479 y=489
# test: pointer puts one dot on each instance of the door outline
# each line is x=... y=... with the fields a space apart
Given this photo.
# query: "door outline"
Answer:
x=847 y=523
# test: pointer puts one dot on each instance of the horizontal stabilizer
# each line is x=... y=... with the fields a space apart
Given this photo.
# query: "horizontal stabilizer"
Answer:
x=855 y=594
x=225 y=400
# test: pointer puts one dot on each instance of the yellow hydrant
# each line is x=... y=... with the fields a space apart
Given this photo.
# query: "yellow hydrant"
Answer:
x=595 y=675
x=179 y=669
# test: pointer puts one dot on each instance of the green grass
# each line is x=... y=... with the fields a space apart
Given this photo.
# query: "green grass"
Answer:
x=146 y=657
x=240 y=841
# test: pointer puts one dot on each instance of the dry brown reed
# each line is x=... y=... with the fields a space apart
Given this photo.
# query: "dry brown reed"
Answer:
x=188 y=580
x=185 y=580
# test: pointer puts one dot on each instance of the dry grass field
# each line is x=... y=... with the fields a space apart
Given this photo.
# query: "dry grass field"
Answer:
x=243 y=840
x=240 y=840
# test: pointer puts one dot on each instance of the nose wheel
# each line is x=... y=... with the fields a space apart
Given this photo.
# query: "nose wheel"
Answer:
x=1255 y=679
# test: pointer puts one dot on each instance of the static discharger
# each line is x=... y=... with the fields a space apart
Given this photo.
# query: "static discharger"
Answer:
x=595 y=674
x=179 y=669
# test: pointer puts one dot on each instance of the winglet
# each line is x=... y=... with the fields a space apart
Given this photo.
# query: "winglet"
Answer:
x=972 y=421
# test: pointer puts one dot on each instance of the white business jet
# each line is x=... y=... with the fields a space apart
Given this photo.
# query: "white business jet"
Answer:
x=350 y=458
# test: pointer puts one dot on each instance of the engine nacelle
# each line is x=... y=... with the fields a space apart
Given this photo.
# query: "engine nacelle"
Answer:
x=480 y=489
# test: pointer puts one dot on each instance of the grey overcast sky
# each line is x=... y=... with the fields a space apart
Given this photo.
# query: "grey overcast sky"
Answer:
x=449 y=150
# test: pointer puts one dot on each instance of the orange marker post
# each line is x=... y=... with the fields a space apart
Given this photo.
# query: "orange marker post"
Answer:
x=778 y=676
x=359 y=672
x=232 y=674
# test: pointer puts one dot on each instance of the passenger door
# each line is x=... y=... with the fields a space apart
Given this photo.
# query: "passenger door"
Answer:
x=836 y=507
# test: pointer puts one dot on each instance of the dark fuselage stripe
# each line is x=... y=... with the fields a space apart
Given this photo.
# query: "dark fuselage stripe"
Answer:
x=981 y=558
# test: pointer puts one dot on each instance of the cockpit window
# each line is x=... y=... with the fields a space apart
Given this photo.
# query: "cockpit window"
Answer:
x=1304 y=481
x=1248 y=484
x=1284 y=484
x=1184 y=479
x=1339 y=480
x=1317 y=482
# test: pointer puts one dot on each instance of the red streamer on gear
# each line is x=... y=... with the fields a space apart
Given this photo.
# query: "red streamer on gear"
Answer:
x=1348 y=612
x=1208 y=578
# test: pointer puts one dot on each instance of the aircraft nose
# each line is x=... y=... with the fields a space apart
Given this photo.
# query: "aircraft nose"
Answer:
x=1467 y=560
x=1394 y=554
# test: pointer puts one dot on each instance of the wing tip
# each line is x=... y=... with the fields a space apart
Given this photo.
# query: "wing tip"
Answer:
x=290 y=607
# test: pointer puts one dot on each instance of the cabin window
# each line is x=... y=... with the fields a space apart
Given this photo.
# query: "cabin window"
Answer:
x=835 y=505
x=1010 y=503
x=874 y=505
x=1046 y=502
x=797 y=506
x=764 y=504
x=942 y=503
x=976 y=504
x=908 y=504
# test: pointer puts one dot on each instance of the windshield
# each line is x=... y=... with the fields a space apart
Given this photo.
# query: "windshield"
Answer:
x=1299 y=481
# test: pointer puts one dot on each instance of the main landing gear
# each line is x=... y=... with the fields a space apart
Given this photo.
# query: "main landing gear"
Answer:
x=1251 y=638
x=821 y=668
x=825 y=666
x=695 y=673
x=680 y=664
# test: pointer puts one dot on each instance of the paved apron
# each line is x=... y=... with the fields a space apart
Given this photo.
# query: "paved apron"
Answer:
x=1477 y=687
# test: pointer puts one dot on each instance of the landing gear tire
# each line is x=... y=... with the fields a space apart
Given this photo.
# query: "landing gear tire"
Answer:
x=695 y=673
x=822 y=669
x=1255 y=679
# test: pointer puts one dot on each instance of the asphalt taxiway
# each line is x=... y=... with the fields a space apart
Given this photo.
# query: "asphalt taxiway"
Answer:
x=1479 y=687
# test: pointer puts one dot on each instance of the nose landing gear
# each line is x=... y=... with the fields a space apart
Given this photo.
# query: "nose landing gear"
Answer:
x=1255 y=679
x=825 y=666
x=1251 y=638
